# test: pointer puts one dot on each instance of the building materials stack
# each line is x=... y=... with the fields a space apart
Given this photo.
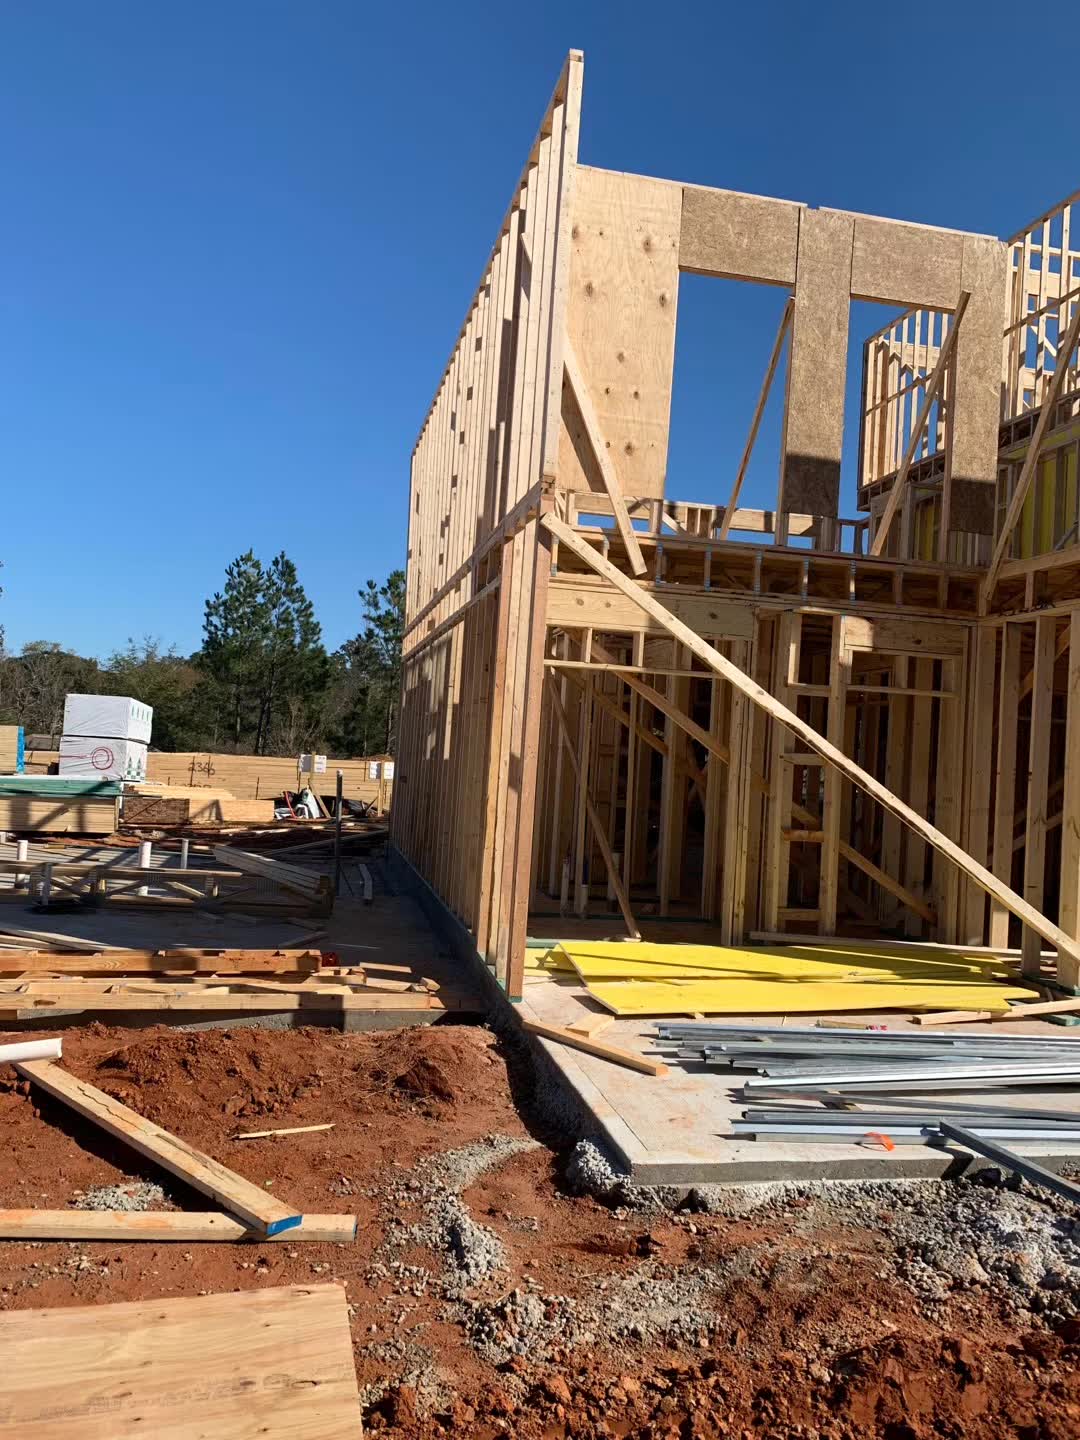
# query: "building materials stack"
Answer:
x=105 y=737
x=893 y=1087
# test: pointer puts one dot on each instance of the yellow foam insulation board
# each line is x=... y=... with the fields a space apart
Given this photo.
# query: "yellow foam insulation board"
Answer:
x=547 y=960
x=638 y=978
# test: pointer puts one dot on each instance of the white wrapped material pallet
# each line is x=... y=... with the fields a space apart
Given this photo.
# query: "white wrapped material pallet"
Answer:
x=116 y=717
x=90 y=757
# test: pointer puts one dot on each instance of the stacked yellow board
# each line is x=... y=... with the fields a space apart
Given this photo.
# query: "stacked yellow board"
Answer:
x=639 y=978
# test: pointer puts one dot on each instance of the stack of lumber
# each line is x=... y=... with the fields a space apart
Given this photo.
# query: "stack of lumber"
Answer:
x=152 y=805
x=39 y=804
x=207 y=982
x=262 y=777
x=11 y=748
x=275 y=1362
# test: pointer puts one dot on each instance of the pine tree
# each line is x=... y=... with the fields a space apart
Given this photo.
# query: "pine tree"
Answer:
x=263 y=645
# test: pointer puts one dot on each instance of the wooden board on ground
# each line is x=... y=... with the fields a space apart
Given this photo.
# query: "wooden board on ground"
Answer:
x=274 y=1363
x=238 y=1195
x=192 y=1226
x=630 y=1058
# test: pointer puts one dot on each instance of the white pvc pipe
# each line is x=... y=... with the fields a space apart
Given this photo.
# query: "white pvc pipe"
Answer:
x=145 y=851
x=30 y=1050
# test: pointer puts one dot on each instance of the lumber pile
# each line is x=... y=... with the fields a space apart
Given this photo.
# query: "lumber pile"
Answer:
x=11 y=748
x=267 y=777
x=157 y=806
x=51 y=805
x=274 y=1362
x=188 y=983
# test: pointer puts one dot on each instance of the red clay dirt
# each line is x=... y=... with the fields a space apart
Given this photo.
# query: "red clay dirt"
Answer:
x=811 y=1343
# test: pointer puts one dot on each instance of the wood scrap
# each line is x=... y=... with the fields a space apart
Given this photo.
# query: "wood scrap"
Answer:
x=630 y=1058
x=1016 y=1012
x=591 y=1025
x=289 y=1130
x=253 y=1205
x=274 y=1362
x=187 y=1225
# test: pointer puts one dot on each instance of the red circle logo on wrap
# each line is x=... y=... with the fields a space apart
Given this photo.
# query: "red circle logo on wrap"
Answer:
x=102 y=758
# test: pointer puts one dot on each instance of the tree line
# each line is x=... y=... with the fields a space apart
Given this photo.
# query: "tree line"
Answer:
x=262 y=682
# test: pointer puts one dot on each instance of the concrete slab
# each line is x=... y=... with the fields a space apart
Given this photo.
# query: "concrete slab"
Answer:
x=671 y=1130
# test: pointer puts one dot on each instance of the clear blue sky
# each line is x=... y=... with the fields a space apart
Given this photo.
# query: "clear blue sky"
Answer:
x=239 y=237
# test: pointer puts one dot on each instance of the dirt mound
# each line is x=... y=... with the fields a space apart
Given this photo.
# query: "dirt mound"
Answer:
x=446 y=1065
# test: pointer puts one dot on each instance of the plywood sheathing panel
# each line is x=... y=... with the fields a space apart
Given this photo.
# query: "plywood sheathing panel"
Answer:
x=623 y=297
x=739 y=237
x=977 y=387
x=902 y=264
x=814 y=429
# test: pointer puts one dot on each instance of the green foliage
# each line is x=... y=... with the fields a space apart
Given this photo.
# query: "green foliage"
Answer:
x=263 y=647
x=262 y=683
x=368 y=672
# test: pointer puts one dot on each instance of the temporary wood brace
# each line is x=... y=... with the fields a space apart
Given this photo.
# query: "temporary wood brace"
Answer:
x=603 y=459
x=259 y=1210
x=755 y=423
x=191 y=1226
x=933 y=390
x=815 y=741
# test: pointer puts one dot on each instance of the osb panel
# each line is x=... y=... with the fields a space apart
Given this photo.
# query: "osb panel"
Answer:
x=901 y=264
x=817 y=368
x=624 y=290
x=739 y=237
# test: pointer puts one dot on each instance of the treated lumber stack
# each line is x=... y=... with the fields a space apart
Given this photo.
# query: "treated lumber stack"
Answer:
x=274 y=1362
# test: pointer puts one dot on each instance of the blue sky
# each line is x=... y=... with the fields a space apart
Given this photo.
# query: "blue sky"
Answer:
x=239 y=237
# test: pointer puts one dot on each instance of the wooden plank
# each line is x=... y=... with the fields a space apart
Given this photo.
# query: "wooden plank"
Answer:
x=1005 y=777
x=274 y=1363
x=253 y=1205
x=1017 y=1012
x=591 y=1025
x=155 y=962
x=1068 y=970
x=220 y=1000
x=63 y=942
x=930 y=394
x=817 y=742
x=602 y=456
x=630 y=1058
x=1042 y=701
x=210 y=1226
